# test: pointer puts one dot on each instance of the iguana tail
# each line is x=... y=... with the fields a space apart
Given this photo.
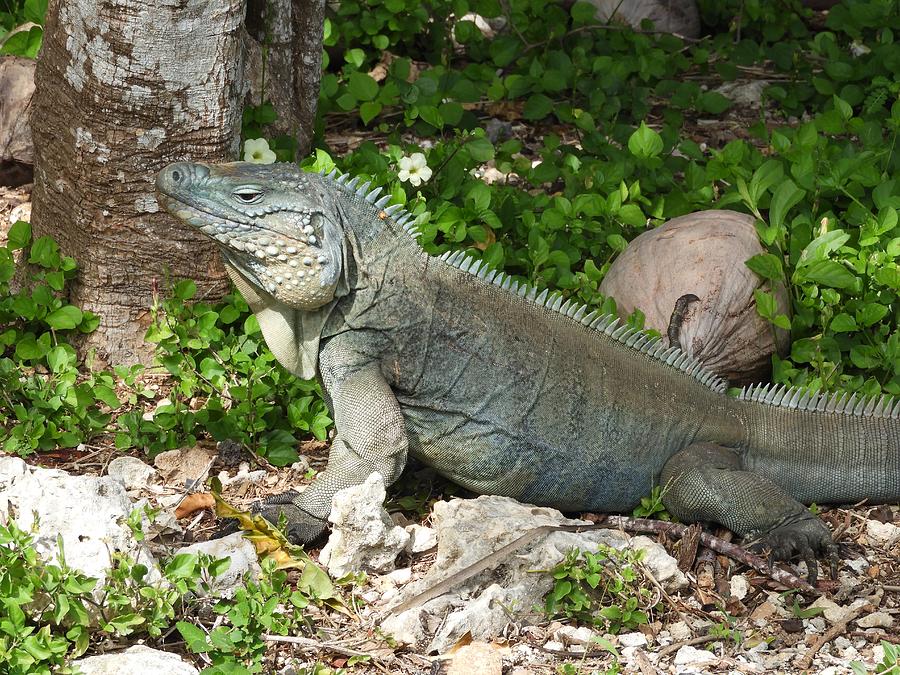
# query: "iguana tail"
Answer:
x=824 y=448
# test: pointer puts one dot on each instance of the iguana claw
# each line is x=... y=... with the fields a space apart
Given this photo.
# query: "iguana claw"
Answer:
x=301 y=527
x=807 y=538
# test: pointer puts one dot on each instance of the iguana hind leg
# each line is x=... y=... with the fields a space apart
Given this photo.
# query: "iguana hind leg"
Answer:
x=706 y=482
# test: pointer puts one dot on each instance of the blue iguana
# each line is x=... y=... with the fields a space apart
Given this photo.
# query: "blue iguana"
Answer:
x=508 y=390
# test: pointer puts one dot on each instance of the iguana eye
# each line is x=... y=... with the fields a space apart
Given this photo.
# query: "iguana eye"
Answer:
x=247 y=195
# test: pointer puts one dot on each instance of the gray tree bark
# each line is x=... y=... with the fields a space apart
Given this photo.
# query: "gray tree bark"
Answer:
x=123 y=88
x=289 y=32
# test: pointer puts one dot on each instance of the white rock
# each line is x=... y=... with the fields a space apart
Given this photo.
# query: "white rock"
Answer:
x=885 y=534
x=570 y=635
x=661 y=565
x=137 y=660
x=835 y=613
x=554 y=646
x=739 y=586
x=421 y=538
x=859 y=565
x=363 y=538
x=691 y=656
x=744 y=93
x=875 y=620
x=243 y=559
x=468 y=530
x=815 y=625
x=130 y=472
x=400 y=576
x=477 y=658
x=680 y=631
x=636 y=639
x=89 y=514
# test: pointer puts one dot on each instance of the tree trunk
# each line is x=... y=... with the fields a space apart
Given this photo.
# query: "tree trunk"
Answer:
x=123 y=88
x=287 y=35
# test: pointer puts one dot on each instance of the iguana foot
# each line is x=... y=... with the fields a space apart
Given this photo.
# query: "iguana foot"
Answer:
x=806 y=537
x=301 y=527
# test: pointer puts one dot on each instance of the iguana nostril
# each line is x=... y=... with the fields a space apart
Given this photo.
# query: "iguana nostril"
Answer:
x=176 y=175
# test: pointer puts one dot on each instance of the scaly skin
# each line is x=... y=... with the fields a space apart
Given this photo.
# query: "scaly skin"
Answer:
x=500 y=392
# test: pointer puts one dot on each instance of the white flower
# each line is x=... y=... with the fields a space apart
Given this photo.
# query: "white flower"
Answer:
x=414 y=169
x=257 y=151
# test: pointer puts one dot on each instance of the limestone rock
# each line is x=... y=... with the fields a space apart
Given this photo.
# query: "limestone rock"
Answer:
x=131 y=472
x=704 y=254
x=137 y=660
x=16 y=90
x=89 y=513
x=691 y=656
x=875 y=620
x=476 y=658
x=243 y=559
x=421 y=538
x=884 y=534
x=680 y=17
x=364 y=537
x=468 y=531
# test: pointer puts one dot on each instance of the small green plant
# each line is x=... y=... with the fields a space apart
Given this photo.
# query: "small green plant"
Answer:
x=614 y=668
x=607 y=589
x=227 y=381
x=890 y=664
x=652 y=506
x=52 y=613
x=727 y=630
x=265 y=605
x=46 y=401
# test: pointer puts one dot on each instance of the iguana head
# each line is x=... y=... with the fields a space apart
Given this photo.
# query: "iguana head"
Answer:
x=279 y=232
x=274 y=224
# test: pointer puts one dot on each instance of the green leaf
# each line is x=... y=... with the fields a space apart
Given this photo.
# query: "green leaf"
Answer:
x=432 y=115
x=184 y=289
x=821 y=246
x=64 y=318
x=35 y=11
x=871 y=314
x=19 y=235
x=193 y=636
x=583 y=12
x=786 y=196
x=362 y=86
x=767 y=266
x=713 y=102
x=829 y=273
x=842 y=107
x=537 y=107
x=645 y=142
x=864 y=356
x=369 y=111
x=58 y=358
x=480 y=149
x=766 y=305
x=843 y=323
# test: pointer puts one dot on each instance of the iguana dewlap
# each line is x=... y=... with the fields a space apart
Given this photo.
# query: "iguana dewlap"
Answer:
x=508 y=390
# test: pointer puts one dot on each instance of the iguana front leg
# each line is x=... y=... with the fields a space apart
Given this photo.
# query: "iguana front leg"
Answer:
x=370 y=437
x=706 y=482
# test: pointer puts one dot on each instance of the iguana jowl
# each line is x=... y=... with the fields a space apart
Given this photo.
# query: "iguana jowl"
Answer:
x=508 y=390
